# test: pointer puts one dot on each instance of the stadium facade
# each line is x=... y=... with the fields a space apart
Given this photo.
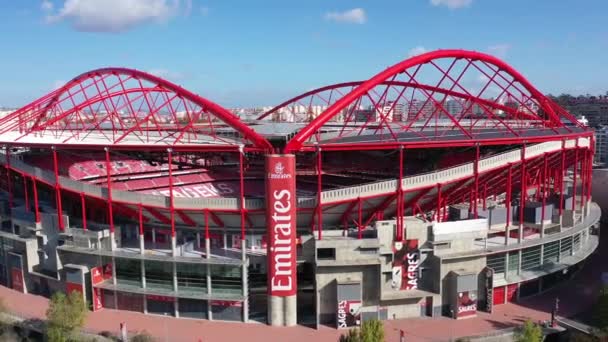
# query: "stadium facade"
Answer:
x=444 y=185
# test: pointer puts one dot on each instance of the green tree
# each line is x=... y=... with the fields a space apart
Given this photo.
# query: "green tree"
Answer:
x=371 y=331
x=142 y=337
x=529 y=332
x=65 y=316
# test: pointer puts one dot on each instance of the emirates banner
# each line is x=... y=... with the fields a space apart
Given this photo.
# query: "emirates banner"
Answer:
x=467 y=304
x=281 y=224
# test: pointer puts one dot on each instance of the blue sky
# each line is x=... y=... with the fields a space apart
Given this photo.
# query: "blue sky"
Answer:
x=243 y=53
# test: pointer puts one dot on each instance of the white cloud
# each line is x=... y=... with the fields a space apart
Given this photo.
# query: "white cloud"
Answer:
x=452 y=4
x=353 y=16
x=499 y=50
x=167 y=74
x=46 y=6
x=418 y=50
x=114 y=15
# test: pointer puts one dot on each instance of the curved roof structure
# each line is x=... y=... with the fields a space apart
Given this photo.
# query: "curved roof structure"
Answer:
x=121 y=107
x=495 y=102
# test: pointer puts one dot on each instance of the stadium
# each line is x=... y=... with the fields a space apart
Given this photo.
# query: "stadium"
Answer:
x=444 y=185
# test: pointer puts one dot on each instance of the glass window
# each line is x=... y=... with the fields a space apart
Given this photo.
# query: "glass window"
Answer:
x=576 y=243
x=192 y=277
x=226 y=279
x=497 y=263
x=159 y=275
x=530 y=258
x=513 y=262
x=551 y=252
x=566 y=248
x=192 y=308
x=128 y=272
x=130 y=301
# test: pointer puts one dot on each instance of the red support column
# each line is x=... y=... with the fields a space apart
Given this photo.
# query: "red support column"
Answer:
x=574 y=176
x=319 y=191
x=561 y=181
x=400 y=209
x=171 y=203
x=359 y=223
x=109 y=182
x=84 y=211
x=140 y=214
x=476 y=188
x=57 y=191
x=36 y=209
x=438 y=213
x=485 y=195
x=25 y=192
x=524 y=190
x=206 y=213
x=8 y=177
x=544 y=195
x=508 y=203
x=242 y=193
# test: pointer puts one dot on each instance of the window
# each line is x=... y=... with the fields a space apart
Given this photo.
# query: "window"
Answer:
x=566 y=248
x=226 y=279
x=551 y=252
x=128 y=272
x=326 y=253
x=192 y=278
x=513 y=262
x=497 y=263
x=530 y=258
x=159 y=275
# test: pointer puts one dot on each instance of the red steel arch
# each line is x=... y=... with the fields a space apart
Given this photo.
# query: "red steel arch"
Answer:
x=120 y=105
x=317 y=96
x=452 y=70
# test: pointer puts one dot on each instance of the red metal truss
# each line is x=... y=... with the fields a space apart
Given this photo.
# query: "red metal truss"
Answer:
x=443 y=95
x=118 y=106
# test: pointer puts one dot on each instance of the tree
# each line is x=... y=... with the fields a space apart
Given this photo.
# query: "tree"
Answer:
x=65 y=316
x=529 y=332
x=142 y=337
x=371 y=331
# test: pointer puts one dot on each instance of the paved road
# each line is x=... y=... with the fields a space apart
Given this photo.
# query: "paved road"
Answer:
x=576 y=296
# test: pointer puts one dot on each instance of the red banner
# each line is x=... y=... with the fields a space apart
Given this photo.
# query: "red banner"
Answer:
x=405 y=265
x=17 y=277
x=281 y=222
x=97 y=276
x=467 y=304
x=97 y=299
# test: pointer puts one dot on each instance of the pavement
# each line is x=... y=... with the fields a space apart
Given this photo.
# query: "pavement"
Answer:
x=576 y=297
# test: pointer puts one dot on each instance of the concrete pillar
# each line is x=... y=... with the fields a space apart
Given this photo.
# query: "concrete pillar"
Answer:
x=291 y=310
x=143 y=273
x=245 y=281
x=145 y=300
x=208 y=256
x=176 y=307
x=275 y=311
x=142 y=247
x=174 y=276
x=173 y=246
x=198 y=240
x=112 y=241
x=153 y=235
x=506 y=264
x=542 y=254
x=225 y=240
x=520 y=233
